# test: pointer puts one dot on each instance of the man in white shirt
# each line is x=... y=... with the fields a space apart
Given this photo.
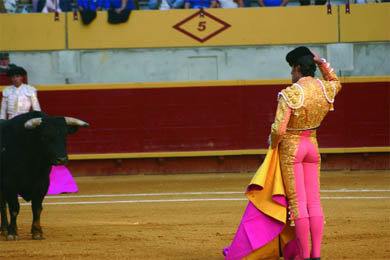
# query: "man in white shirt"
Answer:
x=19 y=98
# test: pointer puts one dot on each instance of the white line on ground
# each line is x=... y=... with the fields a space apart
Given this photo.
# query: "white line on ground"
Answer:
x=183 y=200
x=192 y=193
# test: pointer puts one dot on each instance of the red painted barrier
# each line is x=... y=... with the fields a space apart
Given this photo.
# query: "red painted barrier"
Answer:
x=210 y=118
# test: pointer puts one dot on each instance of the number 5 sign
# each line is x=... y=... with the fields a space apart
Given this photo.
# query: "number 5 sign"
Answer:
x=201 y=26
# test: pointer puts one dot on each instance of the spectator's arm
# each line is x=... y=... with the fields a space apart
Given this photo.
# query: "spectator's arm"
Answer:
x=213 y=4
x=261 y=3
x=187 y=5
x=240 y=3
x=284 y=3
x=124 y=4
x=80 y=5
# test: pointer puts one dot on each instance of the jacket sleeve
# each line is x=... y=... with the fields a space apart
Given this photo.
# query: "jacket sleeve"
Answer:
x=35 y=102
x=330 y=75
x=279 y=126
x=3 y=110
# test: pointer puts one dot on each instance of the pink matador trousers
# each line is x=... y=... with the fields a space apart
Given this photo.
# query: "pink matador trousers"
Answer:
x=300 y=163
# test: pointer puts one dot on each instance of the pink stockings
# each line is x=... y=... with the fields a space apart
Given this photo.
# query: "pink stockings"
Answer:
x=305 y=226
x=310 y=216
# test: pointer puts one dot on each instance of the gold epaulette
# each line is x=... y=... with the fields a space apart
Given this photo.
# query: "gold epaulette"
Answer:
x=293 y=96
x=329 y=93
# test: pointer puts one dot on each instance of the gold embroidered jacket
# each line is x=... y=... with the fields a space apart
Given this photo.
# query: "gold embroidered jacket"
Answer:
x=304 y=105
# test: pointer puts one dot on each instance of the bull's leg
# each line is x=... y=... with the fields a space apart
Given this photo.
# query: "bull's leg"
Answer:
x=4 y=219
x=36 y=229
x=14 y=207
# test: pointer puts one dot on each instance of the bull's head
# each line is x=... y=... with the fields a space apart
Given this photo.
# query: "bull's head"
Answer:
x=53 y=131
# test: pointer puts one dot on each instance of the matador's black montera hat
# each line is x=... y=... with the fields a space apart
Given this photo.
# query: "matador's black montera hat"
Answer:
x=297 y=53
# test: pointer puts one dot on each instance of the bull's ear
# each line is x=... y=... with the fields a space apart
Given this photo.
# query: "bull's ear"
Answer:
x=72 y=129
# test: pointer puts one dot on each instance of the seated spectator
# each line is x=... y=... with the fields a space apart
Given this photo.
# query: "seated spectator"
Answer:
x=197 y=4
x=49 y=6
x=9 y=6
x=270 y=3
x=316 y=2
x=119 y=10
x=167 y=4
x=94 y=5
x=231 y=3
x=120 y=5
x=88 y=8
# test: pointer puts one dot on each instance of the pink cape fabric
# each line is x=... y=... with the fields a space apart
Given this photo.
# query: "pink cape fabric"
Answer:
x=256 y=229
x=264 y=229
x=61 y=181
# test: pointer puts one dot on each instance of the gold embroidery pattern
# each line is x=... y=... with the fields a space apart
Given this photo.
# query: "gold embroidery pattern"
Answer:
x=288 y=149
x=293 y=96
x=313 y=110
x=281 y=118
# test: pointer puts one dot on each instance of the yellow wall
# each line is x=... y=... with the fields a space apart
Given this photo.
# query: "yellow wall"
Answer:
x=149 y=29
x=252 y=26
x=32 y=32
x=369 y=22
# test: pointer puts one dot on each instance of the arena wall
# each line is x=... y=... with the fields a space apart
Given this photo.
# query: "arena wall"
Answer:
x=198 y=108
x=150 y=124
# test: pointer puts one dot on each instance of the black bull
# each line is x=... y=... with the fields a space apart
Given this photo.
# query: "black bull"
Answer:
x=30 y=144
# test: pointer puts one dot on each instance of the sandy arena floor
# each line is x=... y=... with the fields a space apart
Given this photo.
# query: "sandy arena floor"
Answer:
x=184 y=217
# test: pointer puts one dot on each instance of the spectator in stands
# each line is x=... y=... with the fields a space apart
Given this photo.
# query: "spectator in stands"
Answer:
x=316 y=2
x=5 y=68
x=119 y=10
x=2 y=7
x=88 y=8
x=197 y=4
x=271 y=3
x=94 y=5
x=231 y=3
x=9 y=6
x=120 y=5
x=165 y=4
x=49 y=6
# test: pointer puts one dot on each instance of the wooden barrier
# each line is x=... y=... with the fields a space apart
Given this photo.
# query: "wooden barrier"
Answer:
x=185 y=28
x=209 y=118
x=32 y=32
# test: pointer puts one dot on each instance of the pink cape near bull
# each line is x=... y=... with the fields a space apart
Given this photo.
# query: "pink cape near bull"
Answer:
x=31 y=144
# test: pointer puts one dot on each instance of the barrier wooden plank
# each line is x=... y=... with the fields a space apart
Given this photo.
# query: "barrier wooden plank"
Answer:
x=365 y=23
x=35 y=31
x=249 y=26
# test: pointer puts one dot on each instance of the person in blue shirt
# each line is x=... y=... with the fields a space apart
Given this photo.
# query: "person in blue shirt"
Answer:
x=270 y=3
x=119 y=5
x=197 y=4
x=94 y=5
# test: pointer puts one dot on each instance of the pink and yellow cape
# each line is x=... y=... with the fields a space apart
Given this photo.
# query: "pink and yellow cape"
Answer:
x=264 y=231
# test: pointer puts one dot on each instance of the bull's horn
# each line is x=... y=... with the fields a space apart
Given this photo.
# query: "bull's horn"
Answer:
x=33 y=122
x=75 y=121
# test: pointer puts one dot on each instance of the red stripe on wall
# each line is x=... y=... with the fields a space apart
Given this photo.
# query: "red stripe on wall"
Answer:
x=209 y=118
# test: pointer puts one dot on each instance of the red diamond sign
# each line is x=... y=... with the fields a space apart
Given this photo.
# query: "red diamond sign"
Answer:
x=201 y=26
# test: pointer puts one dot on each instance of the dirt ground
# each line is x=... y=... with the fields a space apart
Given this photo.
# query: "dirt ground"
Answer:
x=190 y=217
